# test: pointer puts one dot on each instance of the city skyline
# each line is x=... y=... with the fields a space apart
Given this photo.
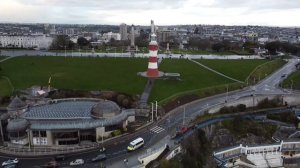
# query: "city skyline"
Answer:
x=164 y=12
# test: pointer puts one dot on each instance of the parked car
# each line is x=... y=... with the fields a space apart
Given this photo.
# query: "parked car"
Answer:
x=10 y=162
x=51 y=164
x=77 y=162
x=10 y=166
x=60 y=157
x=100 y=157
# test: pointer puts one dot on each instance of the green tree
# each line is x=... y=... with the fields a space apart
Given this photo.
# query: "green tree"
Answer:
x=272 y=47
x=198 y=149
x=81 y=41
x=217 y=47
x=61 y=42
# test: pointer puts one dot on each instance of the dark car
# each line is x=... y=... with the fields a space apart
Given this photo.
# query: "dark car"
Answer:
x=60 y=157
x=11 y=166
x=51 y=164
x=99 y=158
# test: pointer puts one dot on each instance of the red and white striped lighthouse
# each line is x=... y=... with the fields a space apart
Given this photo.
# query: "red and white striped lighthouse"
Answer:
x=152 y=65
x=152 y=71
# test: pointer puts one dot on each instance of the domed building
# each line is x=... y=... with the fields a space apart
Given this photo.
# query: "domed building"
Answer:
x=105 y=109
x=68 y=122
x=16 y=107
x=17 y=131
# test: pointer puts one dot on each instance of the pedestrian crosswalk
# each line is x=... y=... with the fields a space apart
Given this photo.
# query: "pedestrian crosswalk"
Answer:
x=157 y=129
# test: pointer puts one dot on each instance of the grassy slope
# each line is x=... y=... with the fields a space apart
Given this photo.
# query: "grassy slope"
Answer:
x=238 y=69
x=295 y=77
x=5 y=88
x=2 y=57
x=192 y=77
x=265 y=70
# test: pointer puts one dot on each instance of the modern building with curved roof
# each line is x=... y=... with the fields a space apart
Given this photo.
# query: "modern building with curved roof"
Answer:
x=68 y=122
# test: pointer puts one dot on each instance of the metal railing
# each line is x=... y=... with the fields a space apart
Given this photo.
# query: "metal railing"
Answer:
x=46 y=150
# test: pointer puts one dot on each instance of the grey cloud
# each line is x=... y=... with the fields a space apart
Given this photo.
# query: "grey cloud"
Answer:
x=258 y=4
x=109 y=4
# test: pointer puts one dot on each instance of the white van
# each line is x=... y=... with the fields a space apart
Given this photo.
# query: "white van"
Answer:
x=137 y=143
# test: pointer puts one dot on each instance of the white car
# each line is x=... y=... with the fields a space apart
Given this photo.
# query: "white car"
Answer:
x=10 y=162
x=77 y=162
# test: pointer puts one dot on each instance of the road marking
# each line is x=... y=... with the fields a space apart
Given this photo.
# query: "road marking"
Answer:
x=157 y=129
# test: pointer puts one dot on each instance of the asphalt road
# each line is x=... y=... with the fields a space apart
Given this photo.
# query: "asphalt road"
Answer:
x=164 y=127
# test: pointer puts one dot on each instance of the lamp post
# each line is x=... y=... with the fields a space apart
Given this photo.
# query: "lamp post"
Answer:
x=152 y=110
x=65 y=51
x=28 y=135
x=49 y=82
x=156 y=110
x=102 y=149
x=226 y=93
x=292 y=85
x=183 y=121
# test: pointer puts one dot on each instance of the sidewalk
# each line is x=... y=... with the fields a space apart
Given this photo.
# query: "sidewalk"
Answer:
x=133 y=159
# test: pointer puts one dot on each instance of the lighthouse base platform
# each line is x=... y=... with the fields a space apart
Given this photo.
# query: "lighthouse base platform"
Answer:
x=144 y=74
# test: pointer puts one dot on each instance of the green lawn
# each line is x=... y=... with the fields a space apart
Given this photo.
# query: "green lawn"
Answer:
x=237 y=69
x=2 y=57
x=292 y=81
x=77 y=73
x=120 y=74
x=265 y=70
x=200 y=52
x=5 y=88
x=199 y=81
x=192 y=77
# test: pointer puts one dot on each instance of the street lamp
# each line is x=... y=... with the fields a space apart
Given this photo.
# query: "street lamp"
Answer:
x=102 y=149
x=28 y=135
x=65 y=51
x=49 y=82
x=156 y=110
x=183 y=121
x=226 y=93
x=152 y=110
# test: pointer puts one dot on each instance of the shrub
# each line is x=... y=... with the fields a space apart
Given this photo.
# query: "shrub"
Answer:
x=116 y=133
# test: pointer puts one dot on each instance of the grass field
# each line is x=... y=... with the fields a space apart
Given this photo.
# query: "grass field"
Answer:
x=237 y=69
x=5 y=88
x=192 y=77
x=2 y=57
x=206 y=52
x=264 y=70
x=77 y=73
x=293 y=81
x=120 y=74
x=197 y=80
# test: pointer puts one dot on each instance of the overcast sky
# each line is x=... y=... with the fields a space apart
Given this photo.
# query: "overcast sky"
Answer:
x=163 y=12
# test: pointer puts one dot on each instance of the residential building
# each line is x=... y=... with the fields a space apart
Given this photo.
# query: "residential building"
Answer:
x=123 y=31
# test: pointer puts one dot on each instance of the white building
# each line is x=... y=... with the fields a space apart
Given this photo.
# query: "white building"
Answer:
x=263 y=40
x=69 y=32
x=26 y=41
x=123 y=31
x=108 y=36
